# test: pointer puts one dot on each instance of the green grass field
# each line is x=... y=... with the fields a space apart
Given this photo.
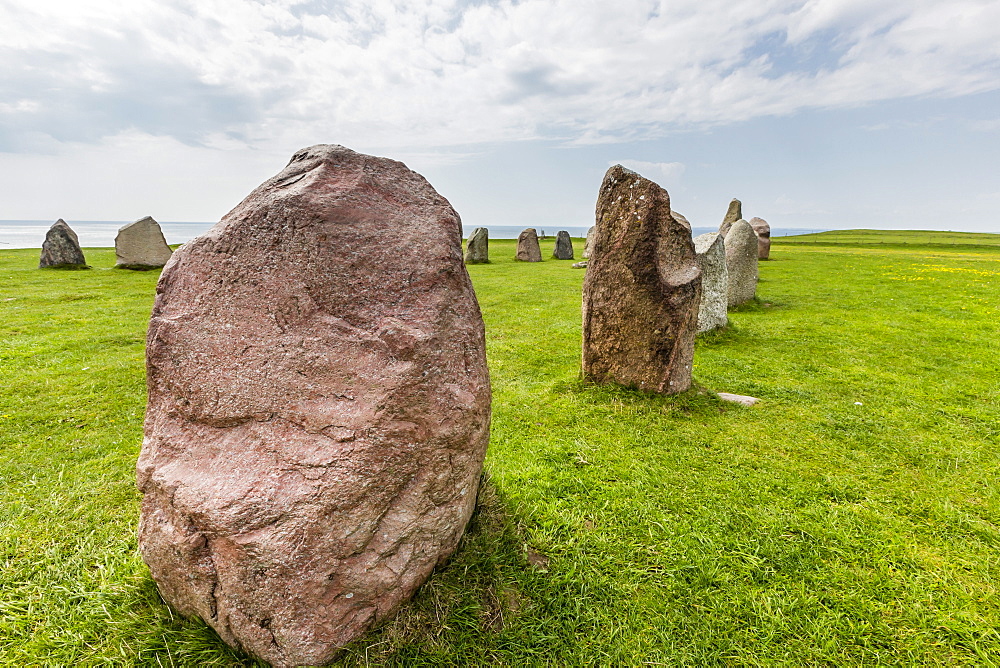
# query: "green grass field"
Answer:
x=851 y=517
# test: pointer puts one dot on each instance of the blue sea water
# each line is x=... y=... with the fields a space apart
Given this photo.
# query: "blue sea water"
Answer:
x=101 y=233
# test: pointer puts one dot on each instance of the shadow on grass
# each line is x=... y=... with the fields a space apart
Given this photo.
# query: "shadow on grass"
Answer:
x=477 y=603
x=694 y=402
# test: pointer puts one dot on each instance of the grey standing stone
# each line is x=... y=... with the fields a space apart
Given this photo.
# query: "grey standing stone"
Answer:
x=477 y=248
x=564 y=246
x=527 y=246
x=763 y=231
x=733 y=213
x=741 y=263
x=711 y=252
x=61 y=248
x=588 y=245
x=141 y=245
x=641 y=289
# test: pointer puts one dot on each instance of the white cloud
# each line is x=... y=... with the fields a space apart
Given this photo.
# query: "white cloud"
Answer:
x=416 y=76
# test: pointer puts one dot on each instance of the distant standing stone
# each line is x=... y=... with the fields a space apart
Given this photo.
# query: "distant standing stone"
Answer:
x=141 y=245
x=61 y=248
x=711 y=252
x=733 y=213
x=319 y=407
x=741 y=263
x=763 y=231
x=527 y=246
x=564 y=246
x=641 y=289
x=477 y=248
x=589 y=243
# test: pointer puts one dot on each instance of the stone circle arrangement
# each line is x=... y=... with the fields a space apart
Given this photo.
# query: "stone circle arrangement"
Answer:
x=319 y=404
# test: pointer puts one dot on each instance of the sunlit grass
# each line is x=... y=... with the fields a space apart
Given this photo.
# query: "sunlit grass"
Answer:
x=852 y=516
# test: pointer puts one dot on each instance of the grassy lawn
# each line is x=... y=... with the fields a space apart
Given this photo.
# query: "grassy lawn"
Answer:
x=852 y=516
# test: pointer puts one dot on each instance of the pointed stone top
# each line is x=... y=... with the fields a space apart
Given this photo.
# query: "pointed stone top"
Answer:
x=145 y=220
x=734 y=213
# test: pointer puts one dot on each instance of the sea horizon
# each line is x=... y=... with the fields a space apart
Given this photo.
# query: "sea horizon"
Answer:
x=101 y=233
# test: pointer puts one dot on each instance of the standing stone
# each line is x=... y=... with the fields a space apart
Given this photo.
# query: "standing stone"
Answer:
x=319 y=407
x=763 y=231
x=733 y=213
x=527 y=246
x=564 y=246
x=141 y=245
x=741 y=263
x=61 y=248
x=641 y=290
x=588 y=245
x=711 y=252
x=477 y=248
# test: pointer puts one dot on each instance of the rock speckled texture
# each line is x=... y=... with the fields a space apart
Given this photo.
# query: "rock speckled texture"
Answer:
x=763 y=231
x=741 y=263
x=61 y=248
x=527 y=246
x=477 y=248
x=588 y=244
x=641 y=290
x=564 y=246
x=733 y=213
x=319 y=407
x=711 y=252
x=141 y=245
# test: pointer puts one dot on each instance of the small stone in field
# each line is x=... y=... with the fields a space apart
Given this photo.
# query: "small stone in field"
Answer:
x=477 y=248
x=527 y=246
x=580 y=265
x=564 y=246
x=61 y=248
x=738 y=398
x=141 y=245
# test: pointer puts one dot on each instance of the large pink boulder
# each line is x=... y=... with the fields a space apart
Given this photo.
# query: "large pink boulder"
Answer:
x=319 y=407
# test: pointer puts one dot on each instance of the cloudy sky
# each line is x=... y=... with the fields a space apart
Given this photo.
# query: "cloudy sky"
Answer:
x=816 y=113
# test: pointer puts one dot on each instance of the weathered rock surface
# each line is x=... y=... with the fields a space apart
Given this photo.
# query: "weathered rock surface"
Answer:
x=527 y=246
x=733 y=213
x=319 y=407
x=141 y=245
x=710 y=250
x=61 y=248
x=763 y=231
x=738 y=399
x=477 y=248
x=564 y=246
x=741 y=263
x=641 y=290
x=581 y=265
x=589 y=243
